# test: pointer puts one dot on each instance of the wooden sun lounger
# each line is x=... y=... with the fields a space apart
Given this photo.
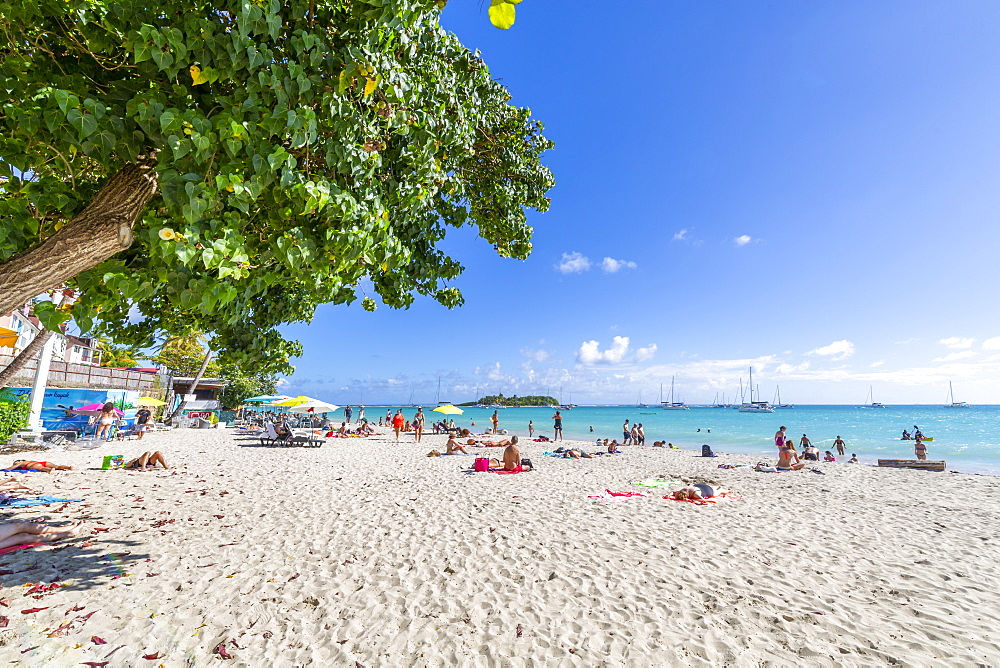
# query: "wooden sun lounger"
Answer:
x=912 y=464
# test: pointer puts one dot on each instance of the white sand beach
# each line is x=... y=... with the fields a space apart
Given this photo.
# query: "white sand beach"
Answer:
x=365 y=552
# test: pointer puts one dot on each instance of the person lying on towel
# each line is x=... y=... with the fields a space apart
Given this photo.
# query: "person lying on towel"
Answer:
x=45 y=467
x=699 y=490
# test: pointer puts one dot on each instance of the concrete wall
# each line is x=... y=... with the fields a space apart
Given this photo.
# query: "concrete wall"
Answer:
x=65 y=374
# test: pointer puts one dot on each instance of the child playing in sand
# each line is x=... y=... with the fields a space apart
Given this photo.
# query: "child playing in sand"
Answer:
x=853 y=459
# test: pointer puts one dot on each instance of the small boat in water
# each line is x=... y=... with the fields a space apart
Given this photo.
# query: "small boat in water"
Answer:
x=754 y=406
x=674 y=405
x=951 y=400
x=869 y=397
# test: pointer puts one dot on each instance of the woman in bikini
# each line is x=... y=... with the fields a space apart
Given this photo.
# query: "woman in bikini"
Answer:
x=106 y=420
x=44 y=467
x=146 y=461
x=21 y=533
x=699 y=490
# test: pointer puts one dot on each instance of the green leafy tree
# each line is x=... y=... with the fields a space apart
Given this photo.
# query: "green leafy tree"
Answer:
x=229 y=167
x=14 y=413
x=241 y=385
x=118 y=356
x=184 y=355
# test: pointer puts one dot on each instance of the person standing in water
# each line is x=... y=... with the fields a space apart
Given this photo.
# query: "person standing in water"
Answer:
x=779 y=438
x=626 y=433
x=347 y=414
x=920 y=450
x=557 y=425
x=840 y=445
x=495 y=419
x=531 y=429
x=361 y=414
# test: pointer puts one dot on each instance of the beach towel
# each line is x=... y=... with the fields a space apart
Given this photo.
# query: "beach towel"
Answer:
x=718 y=498
x=14 y=502
x=655 y=483
x=500 y=470
x=608 y=495
x=22 y=471
x=15 y=548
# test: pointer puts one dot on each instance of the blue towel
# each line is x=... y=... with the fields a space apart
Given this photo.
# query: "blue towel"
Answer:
x=11 y=502
x=22 y=470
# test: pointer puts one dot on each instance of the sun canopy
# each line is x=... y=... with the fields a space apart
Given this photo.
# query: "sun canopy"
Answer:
x=150 y=401
x=266 y=398
x=449 y=410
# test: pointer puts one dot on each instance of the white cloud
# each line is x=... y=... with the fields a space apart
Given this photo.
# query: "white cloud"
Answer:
x=786 y=368
x=536 y=355
x=951 y=357
x=643 y=354
x=956 y=342
x=876 y=364
x=904 y=342
x=838 y=350
x=742 y=240
x=611 y=265
x=681 y=235
x=282 y=384
x=992 y=344
x=573 y=263
x=590 y=352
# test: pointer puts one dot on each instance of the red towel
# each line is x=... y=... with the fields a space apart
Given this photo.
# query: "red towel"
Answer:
x=501 y=470
x=624 y=493
x=15 y=548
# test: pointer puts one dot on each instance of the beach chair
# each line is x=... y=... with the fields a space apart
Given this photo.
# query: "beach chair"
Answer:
x=270 y=436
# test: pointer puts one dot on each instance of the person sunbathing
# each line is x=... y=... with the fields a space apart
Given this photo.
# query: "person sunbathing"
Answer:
x=44 y=467
x=454 y=447
x=612 y=447
x=788 y=460
x=699 y=490
x=15 y=484
x=574 y=453
x=21 y=533
x=512 y=457
x=147 y=461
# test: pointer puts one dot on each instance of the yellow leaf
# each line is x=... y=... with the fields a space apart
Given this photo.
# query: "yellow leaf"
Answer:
x=370 y=87
x=196 y=75
x=502 y=14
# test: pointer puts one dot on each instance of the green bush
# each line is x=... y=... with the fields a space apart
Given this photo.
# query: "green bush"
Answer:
x=13 y=417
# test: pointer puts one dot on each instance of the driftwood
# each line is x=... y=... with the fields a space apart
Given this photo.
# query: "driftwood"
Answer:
x=913 y=464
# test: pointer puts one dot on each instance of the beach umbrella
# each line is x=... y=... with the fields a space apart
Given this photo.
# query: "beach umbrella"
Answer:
x=93 y=409
x=150 y=401
x=449 y=410
x=313 y=406
x=287 y=402
x=266 y=398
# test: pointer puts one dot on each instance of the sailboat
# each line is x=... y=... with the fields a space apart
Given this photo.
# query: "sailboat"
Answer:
x=639 y=404
x=674 y=405
x=777 y=402
x=951 y=400
x=755 y=406
x=869 y=397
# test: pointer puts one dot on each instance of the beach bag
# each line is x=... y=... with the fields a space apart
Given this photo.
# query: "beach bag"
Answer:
x=706 y=451
x=481 y=464
x=113 y=462
x=527 y=462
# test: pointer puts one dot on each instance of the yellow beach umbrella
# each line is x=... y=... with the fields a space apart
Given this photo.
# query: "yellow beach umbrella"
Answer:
x=150 y=401
x=294 y=401
x=449 y=410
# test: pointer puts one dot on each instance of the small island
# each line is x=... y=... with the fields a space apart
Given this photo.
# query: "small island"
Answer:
x=512 y=401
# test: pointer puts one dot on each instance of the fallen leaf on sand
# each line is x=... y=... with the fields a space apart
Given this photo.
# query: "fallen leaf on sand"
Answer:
x=31 y=610
x=4 y=621
x=98 y=641
x=95 y=664
x=221 y=651
x=151 y=657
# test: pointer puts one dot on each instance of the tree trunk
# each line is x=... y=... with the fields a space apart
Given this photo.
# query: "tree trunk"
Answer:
x=102 y=229
x=194 y=385
x=22 y=358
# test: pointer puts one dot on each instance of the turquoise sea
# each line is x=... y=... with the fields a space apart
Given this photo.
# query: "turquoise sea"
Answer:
x=967 y=438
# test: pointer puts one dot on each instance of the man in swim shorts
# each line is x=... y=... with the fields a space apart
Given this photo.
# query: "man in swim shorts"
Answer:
x=626 y=433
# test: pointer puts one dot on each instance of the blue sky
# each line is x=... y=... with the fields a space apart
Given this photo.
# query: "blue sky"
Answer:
x=810 y=188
